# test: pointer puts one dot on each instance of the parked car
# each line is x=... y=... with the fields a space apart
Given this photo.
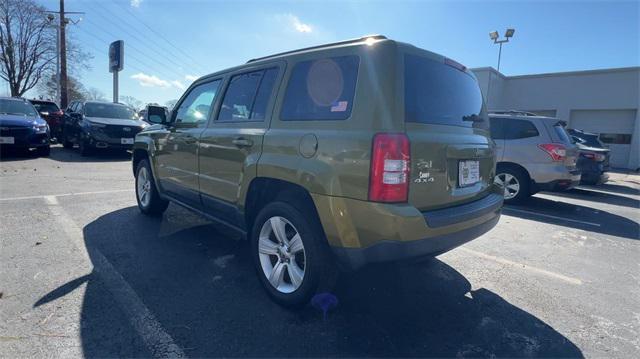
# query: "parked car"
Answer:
x=51 y=113
x=22 y=128
x=593 y=160
x=335 y=156
x=535 y=154
x=99 y=125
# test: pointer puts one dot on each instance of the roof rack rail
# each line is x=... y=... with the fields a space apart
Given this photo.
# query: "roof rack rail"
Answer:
x=344 y=42
x=513 y=112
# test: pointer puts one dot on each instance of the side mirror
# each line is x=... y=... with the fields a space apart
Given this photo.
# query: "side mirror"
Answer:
x=157 y=115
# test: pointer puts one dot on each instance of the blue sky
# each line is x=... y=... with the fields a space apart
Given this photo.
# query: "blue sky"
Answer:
x=200 y=37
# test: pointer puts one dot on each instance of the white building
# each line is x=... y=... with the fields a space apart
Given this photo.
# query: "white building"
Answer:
x=600 y=101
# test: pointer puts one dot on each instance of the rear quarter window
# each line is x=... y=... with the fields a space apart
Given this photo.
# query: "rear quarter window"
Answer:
x=321 y=89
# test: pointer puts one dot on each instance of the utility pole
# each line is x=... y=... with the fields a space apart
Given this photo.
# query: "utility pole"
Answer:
x=63 y=58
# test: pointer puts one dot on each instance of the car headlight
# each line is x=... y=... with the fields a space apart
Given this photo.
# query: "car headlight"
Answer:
x=40 y=129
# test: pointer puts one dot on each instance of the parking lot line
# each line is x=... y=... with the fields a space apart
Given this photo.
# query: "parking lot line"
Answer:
x=65 y=194
x=526 y=267
x=550 y=216
x=159 y=342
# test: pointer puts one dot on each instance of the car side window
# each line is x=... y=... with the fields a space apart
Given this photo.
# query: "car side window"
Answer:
x=247 y=96
x=497 y=128
x=195 y=108
x=70 y=107
x=79 y=108
x=519 y=129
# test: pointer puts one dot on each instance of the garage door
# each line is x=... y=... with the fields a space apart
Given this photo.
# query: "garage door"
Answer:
x=547 y=113
x=615 y=128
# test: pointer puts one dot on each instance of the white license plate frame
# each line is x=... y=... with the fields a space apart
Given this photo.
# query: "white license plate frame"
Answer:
x=126 y=141
x=468 y=173
x=7 y=140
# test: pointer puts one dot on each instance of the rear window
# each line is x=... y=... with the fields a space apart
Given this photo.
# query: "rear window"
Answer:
x=321 y=89
x=45 y=106
x=562 y=133
x=436 y=93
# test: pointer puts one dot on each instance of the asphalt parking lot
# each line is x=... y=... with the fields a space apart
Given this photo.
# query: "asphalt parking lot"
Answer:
x=82 y=272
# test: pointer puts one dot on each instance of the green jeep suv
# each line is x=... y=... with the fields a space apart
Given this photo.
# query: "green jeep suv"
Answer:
x=335 y=156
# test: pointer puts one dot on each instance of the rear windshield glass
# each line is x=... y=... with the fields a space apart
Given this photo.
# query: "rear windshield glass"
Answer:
x=321 y=89
x=437 y=93
x=18 y=108
x=45 y=107
x=106 y=110
x=562 y=133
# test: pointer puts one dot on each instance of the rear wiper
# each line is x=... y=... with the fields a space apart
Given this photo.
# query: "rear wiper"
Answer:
x=472 y=118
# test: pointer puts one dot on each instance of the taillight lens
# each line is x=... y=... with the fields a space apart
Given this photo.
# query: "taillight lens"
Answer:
x=598 y=157
x=557 y=152
x=390 y=167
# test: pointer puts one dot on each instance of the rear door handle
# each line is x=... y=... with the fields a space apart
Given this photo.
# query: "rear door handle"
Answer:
x=242 y=142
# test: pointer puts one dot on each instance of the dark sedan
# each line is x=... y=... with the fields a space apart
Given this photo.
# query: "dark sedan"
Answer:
x=100 y=125
x=593 y=160
x=21 y=127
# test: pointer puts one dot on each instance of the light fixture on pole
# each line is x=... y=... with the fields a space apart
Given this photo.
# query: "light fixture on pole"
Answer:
x=495 y=37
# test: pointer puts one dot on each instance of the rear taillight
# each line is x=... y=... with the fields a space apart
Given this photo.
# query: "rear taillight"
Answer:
x=556 y=151
x=390 y=166
x=593 y=156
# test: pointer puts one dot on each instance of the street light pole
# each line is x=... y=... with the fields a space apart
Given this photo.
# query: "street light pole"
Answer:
x=495 y=37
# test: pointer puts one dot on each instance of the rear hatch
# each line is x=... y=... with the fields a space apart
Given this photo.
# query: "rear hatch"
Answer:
x=559 y=134
x=452 y=154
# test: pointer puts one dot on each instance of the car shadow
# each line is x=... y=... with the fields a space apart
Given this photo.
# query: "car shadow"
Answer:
x=59 y=153
x=600 y=197
x=11 y=155
x=615 y=188
x=574 y=216
x=201 y=286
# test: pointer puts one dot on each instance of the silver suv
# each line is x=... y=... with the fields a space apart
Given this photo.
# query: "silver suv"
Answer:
x=534 y=153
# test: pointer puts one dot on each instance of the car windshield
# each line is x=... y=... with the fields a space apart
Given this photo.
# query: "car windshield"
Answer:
x=590 y=140
x=15 y=107
x=46 y=107
x=106 y=110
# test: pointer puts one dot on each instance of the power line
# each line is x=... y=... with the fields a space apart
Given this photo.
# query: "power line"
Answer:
x=194 y=61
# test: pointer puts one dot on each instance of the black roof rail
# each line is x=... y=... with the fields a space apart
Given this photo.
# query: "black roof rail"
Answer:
x=344 y=42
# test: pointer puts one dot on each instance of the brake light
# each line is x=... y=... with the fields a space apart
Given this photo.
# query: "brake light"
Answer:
x=390 y=167
x=593 y=156
x=455 y=64
x=557 y=152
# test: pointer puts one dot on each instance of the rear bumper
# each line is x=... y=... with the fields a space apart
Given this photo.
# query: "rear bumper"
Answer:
x=361 y=232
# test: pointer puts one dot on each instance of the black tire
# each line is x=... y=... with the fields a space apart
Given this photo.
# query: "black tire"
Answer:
x=85 y=149
x=44 y=151
x=155 y=206
x=319 y=266
x=522 y=178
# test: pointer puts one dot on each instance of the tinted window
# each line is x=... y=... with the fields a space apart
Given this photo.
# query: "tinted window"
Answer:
x=247 y=96
x=196 y=107
x=562 y=133
x=19 y=108
x=517 y=129
x=321 y=89
x=45 y=106
x=107 y=110
x=616 y=138
x=497 y=128
x=438 y=93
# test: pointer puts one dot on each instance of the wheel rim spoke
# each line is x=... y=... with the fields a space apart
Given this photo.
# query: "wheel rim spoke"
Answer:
x=266 y=246
x=278 y=227
x=295 y=244
x=277 y=274
x=295 y=273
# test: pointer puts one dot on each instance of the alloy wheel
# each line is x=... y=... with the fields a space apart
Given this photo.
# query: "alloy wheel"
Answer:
x=510 y=184
x=144 y=187
x=282 y=255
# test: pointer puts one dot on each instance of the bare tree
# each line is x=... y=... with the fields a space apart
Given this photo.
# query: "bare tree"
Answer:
x=132 y=102
x=95 y=95
x=27 y=44
x=48 y=88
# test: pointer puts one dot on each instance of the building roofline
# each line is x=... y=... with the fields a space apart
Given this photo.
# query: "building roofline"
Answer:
x=564 y=73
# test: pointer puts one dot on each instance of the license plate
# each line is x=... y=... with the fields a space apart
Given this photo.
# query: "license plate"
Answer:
x=7 y=140
x=126 y=141
x=468 y=173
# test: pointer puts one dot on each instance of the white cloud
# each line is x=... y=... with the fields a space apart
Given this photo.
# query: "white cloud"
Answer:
x=136 y=3
x=150 y=80
x=297 y=25
x=178 y=84
x=190 y=78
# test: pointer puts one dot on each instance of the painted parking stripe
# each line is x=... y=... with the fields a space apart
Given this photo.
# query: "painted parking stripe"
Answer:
x=522 y=266
x=44 y=196
x=156 y=339
x=550 y=216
